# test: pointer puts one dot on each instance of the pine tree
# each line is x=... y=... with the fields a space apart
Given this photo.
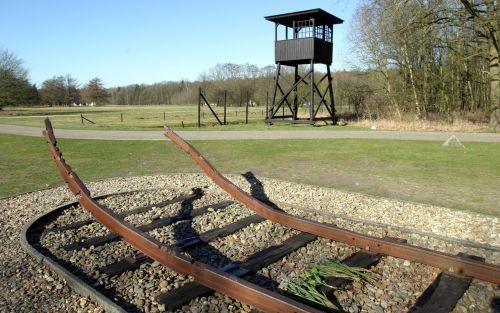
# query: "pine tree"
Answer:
x=94 y=92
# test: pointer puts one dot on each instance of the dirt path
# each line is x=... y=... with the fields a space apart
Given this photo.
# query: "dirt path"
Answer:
x=252 y=134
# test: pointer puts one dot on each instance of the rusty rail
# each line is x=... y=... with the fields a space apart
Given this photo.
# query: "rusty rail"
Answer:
x=209 y=276
x=447 y=262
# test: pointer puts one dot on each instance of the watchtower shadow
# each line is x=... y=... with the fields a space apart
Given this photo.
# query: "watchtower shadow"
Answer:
x=495 y=305
x=208 y=254
x=184 y=230
x=257 y=190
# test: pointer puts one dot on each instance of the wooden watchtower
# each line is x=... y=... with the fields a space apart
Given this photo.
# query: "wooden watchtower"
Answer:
x=306 y=39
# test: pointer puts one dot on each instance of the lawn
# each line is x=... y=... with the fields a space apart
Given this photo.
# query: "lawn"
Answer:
x=149 y=117
x=461 y=178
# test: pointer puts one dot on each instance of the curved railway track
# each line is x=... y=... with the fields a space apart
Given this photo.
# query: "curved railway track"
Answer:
x=235 y=279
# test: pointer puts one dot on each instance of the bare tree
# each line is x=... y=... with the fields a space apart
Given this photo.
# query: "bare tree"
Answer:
x=486 y=23
x=60 y=90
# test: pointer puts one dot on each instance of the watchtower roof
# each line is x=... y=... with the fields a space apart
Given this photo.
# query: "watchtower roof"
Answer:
x=320 y=16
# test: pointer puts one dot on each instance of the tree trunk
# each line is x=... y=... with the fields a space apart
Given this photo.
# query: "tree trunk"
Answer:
x=494 y=72
x=412 y=80
x=388 y=91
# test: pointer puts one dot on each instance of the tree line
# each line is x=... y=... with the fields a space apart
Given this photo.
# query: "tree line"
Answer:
x=240 y=83
x=16 y=89
x=64 y=90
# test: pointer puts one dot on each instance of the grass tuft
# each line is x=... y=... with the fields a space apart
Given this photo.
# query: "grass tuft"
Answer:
x=306 y=287
x=334 y=268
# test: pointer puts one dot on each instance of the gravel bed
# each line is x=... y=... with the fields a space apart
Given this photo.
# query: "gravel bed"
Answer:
x=28 y=286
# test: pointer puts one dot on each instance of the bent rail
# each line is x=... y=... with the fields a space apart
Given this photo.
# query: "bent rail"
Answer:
x=207 y=275
x=447 y=262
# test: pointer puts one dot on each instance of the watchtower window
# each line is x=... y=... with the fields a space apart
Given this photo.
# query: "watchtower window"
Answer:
x=303 y=29
x=323 y=32
x=306 y=29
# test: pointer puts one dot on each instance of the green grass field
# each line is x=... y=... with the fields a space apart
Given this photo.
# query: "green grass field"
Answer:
x=146 y=118
x=461 y=178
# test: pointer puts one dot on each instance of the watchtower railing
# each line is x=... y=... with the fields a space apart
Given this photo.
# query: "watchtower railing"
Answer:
x=303 y=50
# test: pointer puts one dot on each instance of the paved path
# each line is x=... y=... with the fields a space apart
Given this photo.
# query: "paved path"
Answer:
x=252 y=134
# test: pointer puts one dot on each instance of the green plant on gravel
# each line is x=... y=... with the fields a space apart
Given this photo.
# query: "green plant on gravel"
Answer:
x=334 y=268
x=306 y=288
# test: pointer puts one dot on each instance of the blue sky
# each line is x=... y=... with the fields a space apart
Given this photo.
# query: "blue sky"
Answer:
x=127 y=42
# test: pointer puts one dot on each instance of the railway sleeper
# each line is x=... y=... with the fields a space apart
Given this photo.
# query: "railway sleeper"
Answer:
x=134 y=262
x=111 y=237
x=444 y=292
x=139 y=210
x=180 y=296
x=175 y=299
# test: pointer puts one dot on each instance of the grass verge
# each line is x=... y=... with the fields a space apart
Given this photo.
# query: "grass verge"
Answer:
x=461 y=178
x=148 y=118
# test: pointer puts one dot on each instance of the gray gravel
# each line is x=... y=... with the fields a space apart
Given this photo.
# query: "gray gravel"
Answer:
x=27 y=286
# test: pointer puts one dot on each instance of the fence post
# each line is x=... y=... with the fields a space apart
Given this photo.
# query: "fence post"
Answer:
x=246 y=111
x=164 y=116
x=81 y=117
x=225 y=105
x=121 y=117
x=267 y=105
x=199 y=107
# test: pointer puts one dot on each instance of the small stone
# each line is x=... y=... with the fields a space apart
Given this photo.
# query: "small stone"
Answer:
x=195 y=310
x=383 y=304
x=83 y=302
x=49 y=279
x=205 y=308
x=139 y=302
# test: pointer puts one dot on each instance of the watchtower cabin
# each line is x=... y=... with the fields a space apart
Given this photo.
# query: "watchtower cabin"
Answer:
x=302 y=38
